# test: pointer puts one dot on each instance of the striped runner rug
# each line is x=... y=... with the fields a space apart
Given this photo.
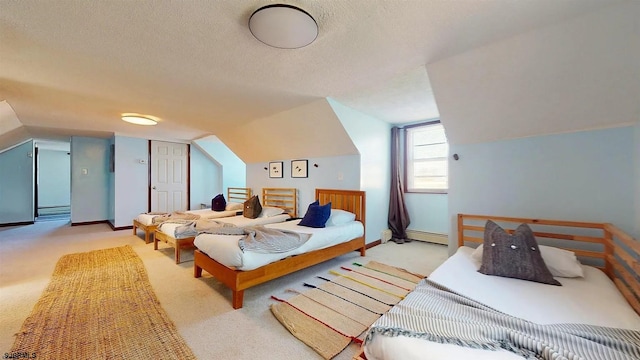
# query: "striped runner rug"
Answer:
x=338 y=308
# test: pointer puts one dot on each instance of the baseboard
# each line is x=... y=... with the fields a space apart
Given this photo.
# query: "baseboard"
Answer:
x=90 y=223
x=17 y=223
x=372 y=244
x=114 y=228
x=428 y=237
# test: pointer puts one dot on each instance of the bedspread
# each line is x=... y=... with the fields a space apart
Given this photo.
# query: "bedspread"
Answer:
x=435 y=313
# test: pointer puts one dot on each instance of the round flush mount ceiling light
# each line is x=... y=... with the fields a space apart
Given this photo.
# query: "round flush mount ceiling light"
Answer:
x=283 y=26
x=140 y=119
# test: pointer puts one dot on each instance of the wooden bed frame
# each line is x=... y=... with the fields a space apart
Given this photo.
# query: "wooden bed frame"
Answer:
x=284 y=196
x=237 y=280
x=617 y=252
x=609 y=248
x=233 y=194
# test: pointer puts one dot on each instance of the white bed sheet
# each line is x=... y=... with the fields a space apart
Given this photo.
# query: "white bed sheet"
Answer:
x=169 y=228
x=593 y=300
x=147 y=219
x=224 y=248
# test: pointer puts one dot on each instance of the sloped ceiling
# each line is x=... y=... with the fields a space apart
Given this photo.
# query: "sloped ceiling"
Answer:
x=69 y=67
x=580 y=74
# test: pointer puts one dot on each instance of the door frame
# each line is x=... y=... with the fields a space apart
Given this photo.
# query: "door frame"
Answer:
x=149 y=162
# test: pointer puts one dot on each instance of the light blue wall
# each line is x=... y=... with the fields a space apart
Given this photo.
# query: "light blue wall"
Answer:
x=336 y=172
x=206 y=179
x=17 y=183
x=54 y=178
x=583 y=176
x=428 y=212
x=372 y=138
x=234 y=170
x=131 y=179
x=90 y=192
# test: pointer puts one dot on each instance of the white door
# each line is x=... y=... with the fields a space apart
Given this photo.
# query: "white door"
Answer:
x=169 y=178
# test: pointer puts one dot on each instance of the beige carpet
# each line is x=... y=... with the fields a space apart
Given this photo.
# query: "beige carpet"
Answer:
x=340 y=307
x=200 y=308
x=100 y=305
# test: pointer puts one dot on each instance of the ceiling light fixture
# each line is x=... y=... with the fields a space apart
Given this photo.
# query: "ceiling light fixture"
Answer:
x=139 y=119
x=283 y=26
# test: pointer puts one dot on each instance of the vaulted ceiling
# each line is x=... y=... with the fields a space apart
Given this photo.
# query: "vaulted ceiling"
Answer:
x=72 y=67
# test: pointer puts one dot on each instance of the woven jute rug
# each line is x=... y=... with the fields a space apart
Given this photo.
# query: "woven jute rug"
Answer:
x=340 y=307
x=100 y=305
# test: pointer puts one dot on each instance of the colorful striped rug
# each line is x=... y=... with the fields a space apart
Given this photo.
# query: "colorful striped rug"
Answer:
x=338 y=308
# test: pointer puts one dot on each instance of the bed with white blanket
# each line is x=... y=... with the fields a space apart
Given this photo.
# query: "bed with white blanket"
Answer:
x=149 y=222
x=181 y=233
x=460 y=313
x=223 y=257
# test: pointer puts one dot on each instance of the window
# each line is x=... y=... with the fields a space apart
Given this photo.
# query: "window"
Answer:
x=426 y=166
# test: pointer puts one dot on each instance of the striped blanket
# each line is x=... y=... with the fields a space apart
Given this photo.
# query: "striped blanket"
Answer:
x=435 y=313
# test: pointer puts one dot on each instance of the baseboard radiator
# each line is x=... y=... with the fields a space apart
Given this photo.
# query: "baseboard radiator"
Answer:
x=428 y=237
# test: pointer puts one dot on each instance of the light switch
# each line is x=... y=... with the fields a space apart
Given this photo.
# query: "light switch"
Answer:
x=85 y=171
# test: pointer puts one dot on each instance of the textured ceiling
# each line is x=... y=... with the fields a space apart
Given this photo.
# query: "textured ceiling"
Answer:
x=74 y=66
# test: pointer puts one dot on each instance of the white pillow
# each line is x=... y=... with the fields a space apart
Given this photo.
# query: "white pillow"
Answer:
x=268 y=211
x=234 y=206
x=561 y=263
x=340 y=217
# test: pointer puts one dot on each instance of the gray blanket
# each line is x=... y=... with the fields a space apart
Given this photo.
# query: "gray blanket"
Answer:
x=266 y=241
x=435 y=313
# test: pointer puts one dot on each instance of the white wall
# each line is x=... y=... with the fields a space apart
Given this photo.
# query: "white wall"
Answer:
x=90 y=192
x=583 y=176
x=16 y=184
x=54 y=178
x=372 y=138
x=336 y=172
x=205 y=178
x=131 y=179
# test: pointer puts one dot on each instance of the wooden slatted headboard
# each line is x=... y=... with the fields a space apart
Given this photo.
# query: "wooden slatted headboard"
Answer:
x=616 y=252
x=238 y=194
x=285 y=198
x=350 y=200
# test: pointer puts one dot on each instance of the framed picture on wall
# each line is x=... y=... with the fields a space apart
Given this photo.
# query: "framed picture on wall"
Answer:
x=275 y=169
x=299 y=168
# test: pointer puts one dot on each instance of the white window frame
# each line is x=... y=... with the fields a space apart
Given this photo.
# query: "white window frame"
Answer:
x=409 y=162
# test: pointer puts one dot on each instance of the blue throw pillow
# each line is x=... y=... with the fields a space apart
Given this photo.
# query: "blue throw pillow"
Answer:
x=316 y=216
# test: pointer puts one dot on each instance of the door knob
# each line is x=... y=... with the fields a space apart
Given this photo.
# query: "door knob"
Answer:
x=154 y=188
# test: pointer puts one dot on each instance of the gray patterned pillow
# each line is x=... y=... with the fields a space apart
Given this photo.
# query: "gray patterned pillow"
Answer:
x=514 y=256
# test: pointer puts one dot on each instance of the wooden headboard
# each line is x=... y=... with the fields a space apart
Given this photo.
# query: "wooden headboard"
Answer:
x=350 y=200
x=285 y=198
x=238 y=195
x=616 y=252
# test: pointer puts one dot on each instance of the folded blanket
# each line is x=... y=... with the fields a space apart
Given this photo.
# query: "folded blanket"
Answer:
x=176 y=215
x=435 y=313
x=265 y=240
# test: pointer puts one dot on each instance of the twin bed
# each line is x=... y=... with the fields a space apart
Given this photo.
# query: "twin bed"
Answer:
x=283 y=200
x=427 y=323
x=145 y=221
x=220 y=256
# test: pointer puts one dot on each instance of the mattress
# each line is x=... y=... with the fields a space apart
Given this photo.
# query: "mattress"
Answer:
x=593 y=300
x=169 y=227
x=224 y=248
x=145 y=219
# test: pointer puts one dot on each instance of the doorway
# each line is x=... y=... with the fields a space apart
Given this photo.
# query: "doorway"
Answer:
x=53 y=181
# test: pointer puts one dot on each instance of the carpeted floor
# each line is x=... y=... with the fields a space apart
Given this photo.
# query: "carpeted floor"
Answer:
x=200 y=308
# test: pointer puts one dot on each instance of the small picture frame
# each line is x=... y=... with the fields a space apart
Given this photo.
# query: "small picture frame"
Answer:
x=275 y=169
x=299 y=168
